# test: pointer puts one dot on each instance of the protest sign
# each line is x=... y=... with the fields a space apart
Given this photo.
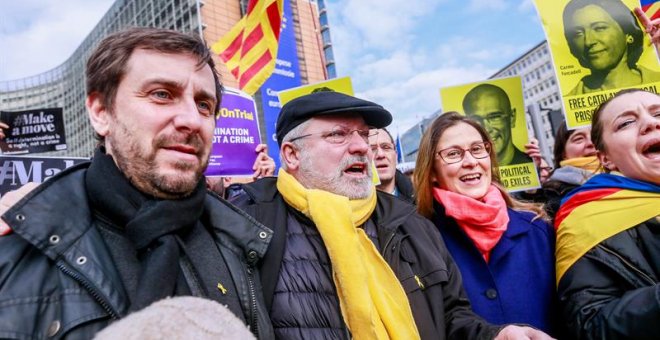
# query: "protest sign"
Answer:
x=497 y=105
x=235 y=137
x=342 y=85
x=33 y=131
x=598 y=48
x=16 y=171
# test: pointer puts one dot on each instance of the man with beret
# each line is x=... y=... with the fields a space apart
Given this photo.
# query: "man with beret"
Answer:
x=346 y=261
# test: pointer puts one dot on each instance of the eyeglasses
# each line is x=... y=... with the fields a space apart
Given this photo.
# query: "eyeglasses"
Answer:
x=454 y=155
x=339 y=135
x=495 y=118
x=546 y=168
x=386 y=147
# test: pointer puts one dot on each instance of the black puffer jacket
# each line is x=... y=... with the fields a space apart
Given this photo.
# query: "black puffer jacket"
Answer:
x=613 y=291
x=58 y=279
x=410 y=244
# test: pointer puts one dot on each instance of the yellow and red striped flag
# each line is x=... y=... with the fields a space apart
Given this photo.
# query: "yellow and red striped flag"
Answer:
x=651 y=8
x=249 y=49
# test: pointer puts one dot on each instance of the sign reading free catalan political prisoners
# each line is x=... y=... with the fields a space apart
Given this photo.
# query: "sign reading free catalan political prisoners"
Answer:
x=497 y=105
x=598 y=48
x=32 y=131
x=235 y=137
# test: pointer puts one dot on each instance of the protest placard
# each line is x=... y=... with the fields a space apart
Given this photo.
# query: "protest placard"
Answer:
x=16 y=171
x=598 y=48
x=235 y=137
x=33 y=131
x=497 y=105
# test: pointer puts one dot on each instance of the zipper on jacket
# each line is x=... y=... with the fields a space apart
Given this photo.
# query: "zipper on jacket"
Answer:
x=628 y=264
x=253 y=300
x=90 y=289
x=387 y=243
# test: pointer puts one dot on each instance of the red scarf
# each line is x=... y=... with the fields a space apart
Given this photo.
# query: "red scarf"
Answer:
x=484 y=221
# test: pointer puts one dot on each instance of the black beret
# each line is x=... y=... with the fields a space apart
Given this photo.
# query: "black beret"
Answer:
x=321 y=103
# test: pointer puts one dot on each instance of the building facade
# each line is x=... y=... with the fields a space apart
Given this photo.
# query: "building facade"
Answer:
x=64 y=86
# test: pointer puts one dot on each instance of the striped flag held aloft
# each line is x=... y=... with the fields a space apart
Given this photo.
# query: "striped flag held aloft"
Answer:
x=651 y=8
x=249 y=49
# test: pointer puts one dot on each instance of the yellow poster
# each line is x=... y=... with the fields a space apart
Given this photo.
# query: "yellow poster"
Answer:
x=497 y=105
x=598 y=48
x=342 y=85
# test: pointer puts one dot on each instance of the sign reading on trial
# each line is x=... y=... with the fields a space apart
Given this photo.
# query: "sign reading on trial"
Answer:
x=235 y=137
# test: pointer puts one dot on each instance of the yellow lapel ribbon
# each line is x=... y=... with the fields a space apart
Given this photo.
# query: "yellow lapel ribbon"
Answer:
x=372 y=300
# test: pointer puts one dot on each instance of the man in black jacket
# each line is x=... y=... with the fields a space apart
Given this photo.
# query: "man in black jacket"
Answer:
x=347 y=262
x=136 y=225
x=392 y=181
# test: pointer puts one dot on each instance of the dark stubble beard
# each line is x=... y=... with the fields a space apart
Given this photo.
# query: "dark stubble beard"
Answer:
x=141 y=168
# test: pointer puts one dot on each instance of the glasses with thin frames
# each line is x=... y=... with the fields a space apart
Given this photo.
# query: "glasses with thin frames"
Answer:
x=339 y=135
x=454 y=154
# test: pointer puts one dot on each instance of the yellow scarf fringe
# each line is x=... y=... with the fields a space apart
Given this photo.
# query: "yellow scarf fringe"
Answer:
x=372 y=300
x=591 y=163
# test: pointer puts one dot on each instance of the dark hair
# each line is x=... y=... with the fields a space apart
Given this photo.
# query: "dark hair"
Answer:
x=623 y=17
x=107 y=65
x=597 y=124
x=562 y=136
x=389 y=134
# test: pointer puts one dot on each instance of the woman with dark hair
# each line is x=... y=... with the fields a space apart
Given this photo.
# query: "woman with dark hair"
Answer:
x=575 y=163
x=605 y=37
x=503 y=248
x=608 y=230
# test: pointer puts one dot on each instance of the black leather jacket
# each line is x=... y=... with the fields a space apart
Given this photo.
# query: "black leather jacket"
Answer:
x=58 y=279
x=613 y=291
x=410 y=244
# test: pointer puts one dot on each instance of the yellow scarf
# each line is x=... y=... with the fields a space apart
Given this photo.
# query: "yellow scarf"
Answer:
x=371 y=298
x=590 y=163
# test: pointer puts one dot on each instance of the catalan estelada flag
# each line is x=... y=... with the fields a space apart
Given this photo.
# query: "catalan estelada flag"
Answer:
x=602 y=207
x=651 y=8
x=249 y=49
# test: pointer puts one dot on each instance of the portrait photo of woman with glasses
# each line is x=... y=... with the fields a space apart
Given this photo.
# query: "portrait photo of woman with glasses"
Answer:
x=605 y=37
x=504 y=248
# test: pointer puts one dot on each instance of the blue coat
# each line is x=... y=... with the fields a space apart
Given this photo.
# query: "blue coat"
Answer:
x=517 y=285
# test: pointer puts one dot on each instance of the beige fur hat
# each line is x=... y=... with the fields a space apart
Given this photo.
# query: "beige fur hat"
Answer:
x=179 y=318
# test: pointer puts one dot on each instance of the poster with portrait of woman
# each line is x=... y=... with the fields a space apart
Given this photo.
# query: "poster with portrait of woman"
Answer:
x=598 y=48
x=497 y=105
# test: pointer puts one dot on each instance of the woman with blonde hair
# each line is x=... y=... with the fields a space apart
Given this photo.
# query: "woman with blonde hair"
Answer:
x=503 y=248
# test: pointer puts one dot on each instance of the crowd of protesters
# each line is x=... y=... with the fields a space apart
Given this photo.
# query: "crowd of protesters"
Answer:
x=138 y=243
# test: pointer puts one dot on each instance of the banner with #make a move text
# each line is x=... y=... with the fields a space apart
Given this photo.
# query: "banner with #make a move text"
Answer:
x=598 y=49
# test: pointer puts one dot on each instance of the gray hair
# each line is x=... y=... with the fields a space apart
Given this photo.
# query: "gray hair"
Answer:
x=294 y=133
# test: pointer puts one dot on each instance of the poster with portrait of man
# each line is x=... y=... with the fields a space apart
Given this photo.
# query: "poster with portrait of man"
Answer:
x=598 y=48
x=497 y=105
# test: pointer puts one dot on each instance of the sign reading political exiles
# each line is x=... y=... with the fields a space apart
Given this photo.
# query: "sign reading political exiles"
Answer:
x=33 y=131
x=598 y=48
x=497 y=105
x=15 y=171
x=286 y=75
x=235 y=137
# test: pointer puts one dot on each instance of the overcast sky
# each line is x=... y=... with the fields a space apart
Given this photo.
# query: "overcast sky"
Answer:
x=398 y=53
